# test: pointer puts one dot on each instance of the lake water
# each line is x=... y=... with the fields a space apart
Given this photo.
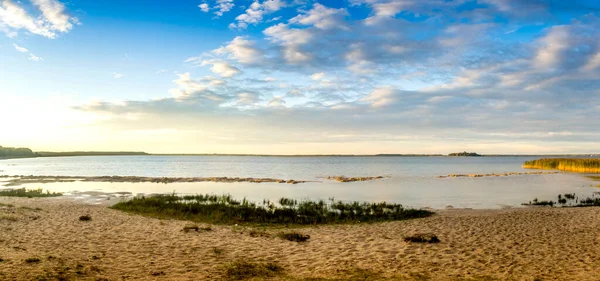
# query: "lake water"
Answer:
x=412 y=180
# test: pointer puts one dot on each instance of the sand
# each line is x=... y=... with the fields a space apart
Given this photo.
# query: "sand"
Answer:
x=513 y=244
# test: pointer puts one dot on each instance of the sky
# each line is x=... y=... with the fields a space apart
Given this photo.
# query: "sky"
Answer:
x=300 y=76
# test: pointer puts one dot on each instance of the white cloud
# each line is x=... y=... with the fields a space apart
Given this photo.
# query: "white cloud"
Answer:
x=54 y=13
x=381 y=97
x=553 y=44
x=117 y=75
x=222 y=68
x=20 y=49
x=276 y=102
x=247 y=98
x=223 y=6
x=255 y=13
x=242 y=50
x=318 y=76
x=322 y=17
x=291 y=39
x=204 y=7
x=33 y=57
x=593 y=63
x=53 y=18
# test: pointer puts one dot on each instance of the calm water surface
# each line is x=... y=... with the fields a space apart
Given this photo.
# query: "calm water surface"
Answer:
x=412 y=180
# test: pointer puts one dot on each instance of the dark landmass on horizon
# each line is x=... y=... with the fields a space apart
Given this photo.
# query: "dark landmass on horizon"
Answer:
x=12 y=153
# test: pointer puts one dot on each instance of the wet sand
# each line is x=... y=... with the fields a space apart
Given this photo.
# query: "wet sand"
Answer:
x=513 y=244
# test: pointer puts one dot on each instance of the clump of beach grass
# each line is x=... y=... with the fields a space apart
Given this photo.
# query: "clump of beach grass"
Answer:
x=85 y=218
x=241 y=270
x=32 y=260
x=578 y=165
x=29 y=193
x=422 y=238
x=294 y=236
x=224 y=209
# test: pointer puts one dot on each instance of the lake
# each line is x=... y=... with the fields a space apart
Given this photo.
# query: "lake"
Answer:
x=411 y=181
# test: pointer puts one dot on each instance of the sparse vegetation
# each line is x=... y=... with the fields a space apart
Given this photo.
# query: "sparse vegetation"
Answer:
x=32 y=260
x=294 y=236
x=241 y=270
x=578 y=165
x=422 y=238
x=30 y=193
x=225 y=209
x=568 y=200
x=85 y=218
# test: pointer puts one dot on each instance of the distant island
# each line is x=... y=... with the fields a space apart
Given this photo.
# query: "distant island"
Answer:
x=16 y=152
x=464 y=153
x=21 y=152
x=89 y=153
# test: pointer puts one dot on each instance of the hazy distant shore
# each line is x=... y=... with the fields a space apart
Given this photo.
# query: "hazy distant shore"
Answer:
x=516 y=244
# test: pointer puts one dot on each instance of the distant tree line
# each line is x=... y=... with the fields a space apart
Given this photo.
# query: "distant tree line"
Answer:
x=14 y=152
x=464 y=153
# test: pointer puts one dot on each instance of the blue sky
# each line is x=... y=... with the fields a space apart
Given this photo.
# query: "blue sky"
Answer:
x=301 y=77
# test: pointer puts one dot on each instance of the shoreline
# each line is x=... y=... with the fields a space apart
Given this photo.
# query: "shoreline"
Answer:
x=518 y=244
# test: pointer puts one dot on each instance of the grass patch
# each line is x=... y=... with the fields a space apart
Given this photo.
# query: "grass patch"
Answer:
x=32 y=260
x=422 y=238
x=85 y=218
x=29 y=193
x=241 y=270
x=6 y=205
x=578 y=165
x=294 y=236
x=568 y=200
x=6 y=217
x=224 y=209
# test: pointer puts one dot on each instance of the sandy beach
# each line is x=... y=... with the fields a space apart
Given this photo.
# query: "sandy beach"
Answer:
x=510 y=244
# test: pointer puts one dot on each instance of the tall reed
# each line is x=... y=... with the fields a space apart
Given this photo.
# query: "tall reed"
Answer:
x=578 y=165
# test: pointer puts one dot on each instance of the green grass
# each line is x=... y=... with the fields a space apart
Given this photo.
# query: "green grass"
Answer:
x=30 y=193
x=226 y=210
x=241 y=270
x=578 y=165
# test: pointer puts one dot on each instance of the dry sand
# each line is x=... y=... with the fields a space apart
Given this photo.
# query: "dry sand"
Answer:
x=513 y=244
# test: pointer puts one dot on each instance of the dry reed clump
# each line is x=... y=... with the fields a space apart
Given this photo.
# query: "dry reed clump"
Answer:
x=495 y=174
x=578 y=165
